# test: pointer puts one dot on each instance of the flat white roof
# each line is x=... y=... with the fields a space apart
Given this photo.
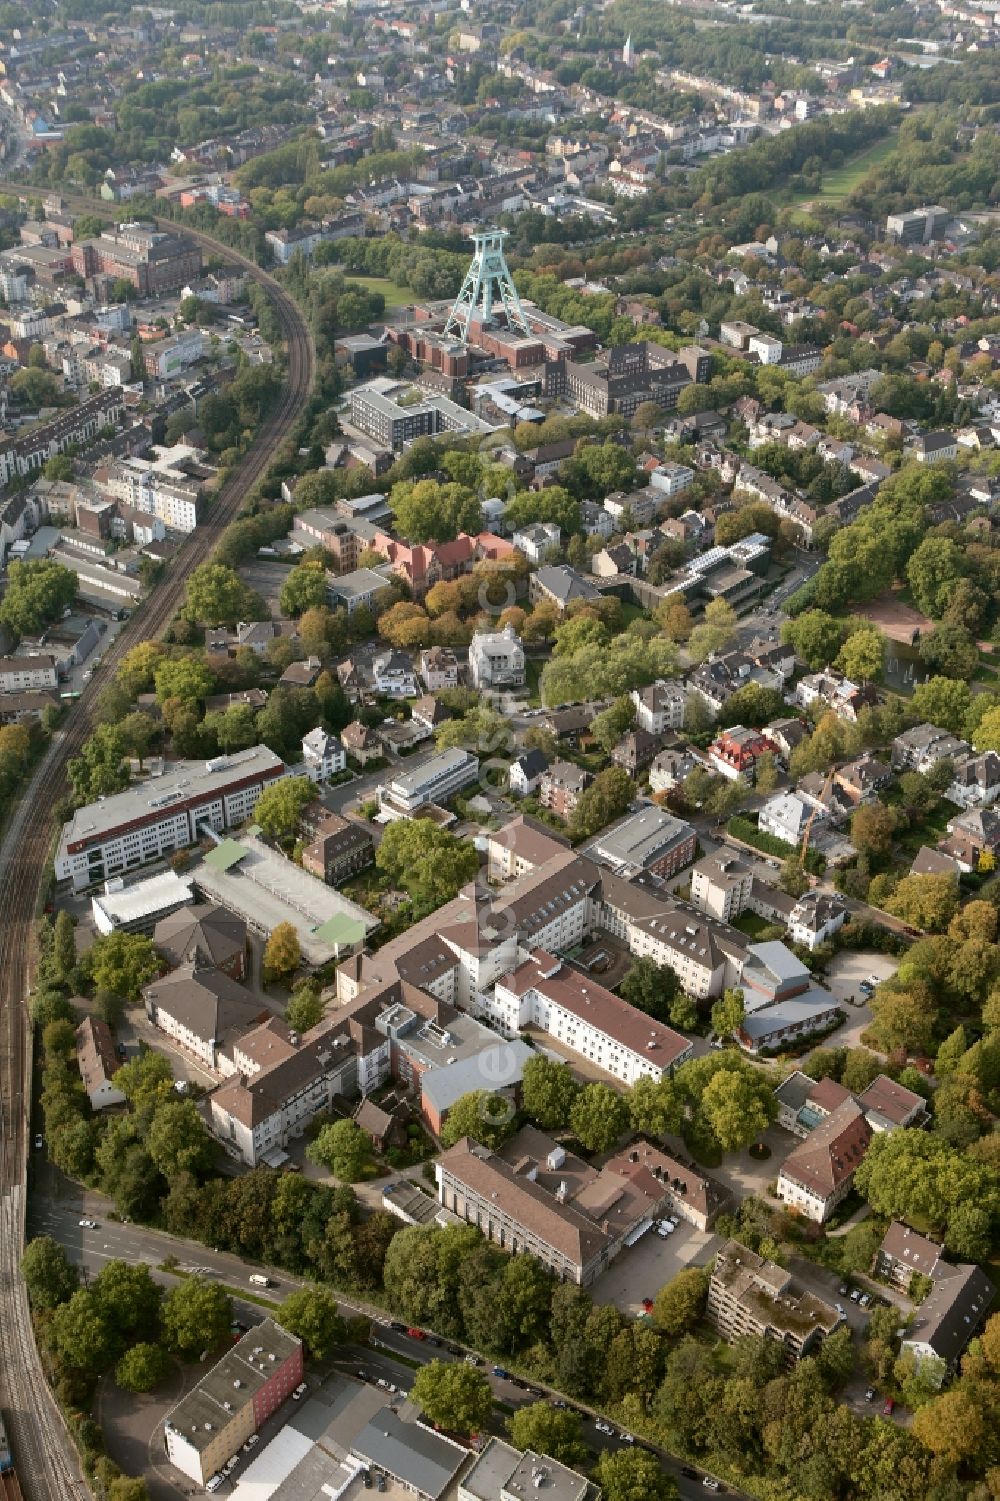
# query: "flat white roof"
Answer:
x=167 y=889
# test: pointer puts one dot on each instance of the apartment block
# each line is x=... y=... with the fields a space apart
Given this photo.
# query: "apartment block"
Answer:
x=750 y=1295
x=721 y=885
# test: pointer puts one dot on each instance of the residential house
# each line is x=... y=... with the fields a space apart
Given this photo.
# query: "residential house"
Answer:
x=844 y=698
x=361 y=743
x=439 y=668
x=669 y=769
x=971 y=836
x=394 y=676
x=787 y=734
x=864 y=778
x=736 y=751
x=659 y=707
x=340 y=848
x=98 y=1063
x=538 y=540
x=815 y=918
x=635 y=751
x=323 y=755
x=526 y=772
x=496 y=659
x=905 y=1254
x=786 y=816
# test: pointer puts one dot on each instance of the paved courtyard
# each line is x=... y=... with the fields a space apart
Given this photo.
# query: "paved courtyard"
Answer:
x=641 y=1271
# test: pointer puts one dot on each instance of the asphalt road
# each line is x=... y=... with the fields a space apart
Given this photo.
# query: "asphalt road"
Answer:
x=57 y=1206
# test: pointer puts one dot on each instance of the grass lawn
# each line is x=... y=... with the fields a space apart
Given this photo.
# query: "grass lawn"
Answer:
x=752 y=924
x=532 y=674
x=633 y=612
x=394 y=294
x=842 y=181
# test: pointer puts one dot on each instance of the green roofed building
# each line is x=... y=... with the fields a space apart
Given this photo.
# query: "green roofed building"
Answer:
x=226 y=854
x=248 y=877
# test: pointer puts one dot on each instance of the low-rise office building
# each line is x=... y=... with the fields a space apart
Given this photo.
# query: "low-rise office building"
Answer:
x=165 y=814
x=234 y=1399
x=434 y=782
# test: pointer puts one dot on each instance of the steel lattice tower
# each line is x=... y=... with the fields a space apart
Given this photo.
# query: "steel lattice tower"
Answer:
x=488 y=284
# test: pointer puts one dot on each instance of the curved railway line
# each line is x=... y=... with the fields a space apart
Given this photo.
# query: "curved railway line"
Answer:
x=43 y=1451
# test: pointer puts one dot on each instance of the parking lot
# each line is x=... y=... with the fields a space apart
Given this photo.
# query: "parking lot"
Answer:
x=843 y=978
x=641 y=1271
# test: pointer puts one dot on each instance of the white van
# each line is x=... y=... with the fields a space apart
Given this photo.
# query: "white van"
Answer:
x=258 y=1280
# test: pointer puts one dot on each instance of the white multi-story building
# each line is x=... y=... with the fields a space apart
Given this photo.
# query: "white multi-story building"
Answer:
x=496 y=659
x=436 y=781
x=720 y=885
x=167 y=486
x=537 y=541
x=323 y=755
x=544 y=993
x=146 y=822
x=660 y=706
x=17 y=674
x=394 y=675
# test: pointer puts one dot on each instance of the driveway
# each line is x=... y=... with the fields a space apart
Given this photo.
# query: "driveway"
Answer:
x=651 y=1263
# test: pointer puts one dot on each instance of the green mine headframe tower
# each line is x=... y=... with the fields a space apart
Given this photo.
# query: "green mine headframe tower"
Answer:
x=488 y=287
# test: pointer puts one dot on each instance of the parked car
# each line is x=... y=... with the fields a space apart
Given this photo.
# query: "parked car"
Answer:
x=710 y=1484
x=39 y=1142
x=842 y=1289
x=88 y=1224
x=870 y=1394
x=855 y=1294
x=215 y=1482
x=498 y=1370
x=888 y=1407
x=416 y=1334
x=603 y=1427
x=298 y=1393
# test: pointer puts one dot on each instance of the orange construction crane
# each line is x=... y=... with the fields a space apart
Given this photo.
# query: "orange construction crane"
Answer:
x=812 y=817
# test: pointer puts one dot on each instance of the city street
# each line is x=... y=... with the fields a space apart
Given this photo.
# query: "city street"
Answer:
x=57 y=1206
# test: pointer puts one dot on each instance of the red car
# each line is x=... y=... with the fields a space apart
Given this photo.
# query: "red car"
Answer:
x=416 y=1334
x=888 y=1407
x=647 y=1304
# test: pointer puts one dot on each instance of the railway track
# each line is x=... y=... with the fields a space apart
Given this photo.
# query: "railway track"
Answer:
x=43 y=1451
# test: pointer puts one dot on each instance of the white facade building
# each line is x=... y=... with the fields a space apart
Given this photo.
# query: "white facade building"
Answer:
x=496 y=659
x=168 y=813
x=323 y=755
